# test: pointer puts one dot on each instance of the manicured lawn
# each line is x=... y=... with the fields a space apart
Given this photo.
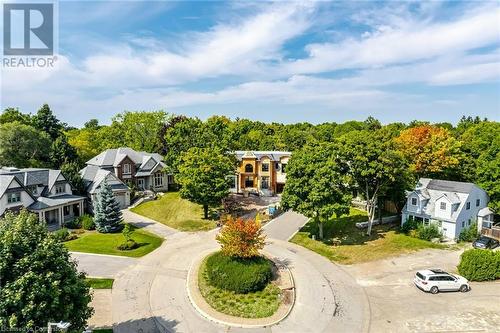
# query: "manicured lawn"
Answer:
x=98 y=283
x=355 y=247
x=258 y=304
x=95 y=242
x=175 y=212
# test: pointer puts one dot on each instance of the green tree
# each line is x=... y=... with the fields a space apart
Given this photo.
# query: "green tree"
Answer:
x=23 y=146
x=203 y=176
x=62 y=152
x=488 y=174
x=374 y=166
x=316 y=185
x=45 y=120
x=92 y=123
x=10 y=115
x=39 y=282
x=107 y=214
x=71 y=172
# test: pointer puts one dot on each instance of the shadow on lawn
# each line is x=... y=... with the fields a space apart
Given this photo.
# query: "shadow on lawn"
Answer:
x=343 y=231
x=147 y=325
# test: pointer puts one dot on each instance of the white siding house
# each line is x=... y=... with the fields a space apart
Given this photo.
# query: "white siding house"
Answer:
x=451 y=205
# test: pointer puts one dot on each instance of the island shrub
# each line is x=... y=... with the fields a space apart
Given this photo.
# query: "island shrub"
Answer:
x=480 y=265
x=241 y=275
x=241 y=238
x=428 y=232
x=87 y=222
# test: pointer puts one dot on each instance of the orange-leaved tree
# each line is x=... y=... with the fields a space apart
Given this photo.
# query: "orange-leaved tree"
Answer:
x=241 y=238
x=430 y=150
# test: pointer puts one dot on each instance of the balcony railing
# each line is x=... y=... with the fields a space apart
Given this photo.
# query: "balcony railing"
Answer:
x=493 y=232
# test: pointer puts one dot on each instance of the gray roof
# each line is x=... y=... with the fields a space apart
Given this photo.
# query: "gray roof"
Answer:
x=450 y=186
x=258 y=154
x=5 y=181
x=33 y=176
x=113 y=157
x=93 y=176
x=44 y=202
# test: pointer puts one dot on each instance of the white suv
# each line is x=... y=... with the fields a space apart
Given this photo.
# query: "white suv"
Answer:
x=436 y=280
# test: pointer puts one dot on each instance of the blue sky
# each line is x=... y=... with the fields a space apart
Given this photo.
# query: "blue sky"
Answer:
x=270 y=61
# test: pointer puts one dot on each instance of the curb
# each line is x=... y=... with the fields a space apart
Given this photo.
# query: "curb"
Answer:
x=104 y=255
x=194 y=267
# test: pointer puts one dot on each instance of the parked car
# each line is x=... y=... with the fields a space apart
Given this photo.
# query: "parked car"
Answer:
x=484 y=242
x=436 y=280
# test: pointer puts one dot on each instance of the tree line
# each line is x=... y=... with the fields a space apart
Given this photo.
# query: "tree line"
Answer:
x=363 y=151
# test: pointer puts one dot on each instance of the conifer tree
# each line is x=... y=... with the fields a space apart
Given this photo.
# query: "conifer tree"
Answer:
x=107 y=214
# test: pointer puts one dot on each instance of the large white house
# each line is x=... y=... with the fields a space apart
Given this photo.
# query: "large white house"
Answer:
x=43 y=191
x=451 y=205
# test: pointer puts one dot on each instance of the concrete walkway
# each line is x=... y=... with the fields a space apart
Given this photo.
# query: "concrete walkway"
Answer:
x=148 y=224
x=285 y=226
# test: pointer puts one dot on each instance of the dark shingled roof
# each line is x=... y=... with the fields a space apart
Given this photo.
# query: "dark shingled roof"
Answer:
x=450 y=186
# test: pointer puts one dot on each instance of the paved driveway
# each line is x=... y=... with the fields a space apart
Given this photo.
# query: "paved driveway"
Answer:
x=398 y=306
x=285 y=226
x=105 y=266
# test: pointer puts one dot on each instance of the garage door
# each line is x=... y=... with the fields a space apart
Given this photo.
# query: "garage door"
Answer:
x=120 y=198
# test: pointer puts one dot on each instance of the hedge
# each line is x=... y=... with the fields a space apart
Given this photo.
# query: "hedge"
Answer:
x=480 y=265
x=241 y=275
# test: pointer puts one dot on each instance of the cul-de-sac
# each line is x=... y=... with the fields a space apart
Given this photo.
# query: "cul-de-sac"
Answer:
x=250 y=167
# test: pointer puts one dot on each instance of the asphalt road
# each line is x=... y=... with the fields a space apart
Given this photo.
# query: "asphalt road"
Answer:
x=285 y=226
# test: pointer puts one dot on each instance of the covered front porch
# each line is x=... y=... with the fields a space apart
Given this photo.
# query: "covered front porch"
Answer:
x=58 y=211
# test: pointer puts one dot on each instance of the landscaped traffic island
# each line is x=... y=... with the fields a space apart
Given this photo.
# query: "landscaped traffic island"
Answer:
x=237 y=285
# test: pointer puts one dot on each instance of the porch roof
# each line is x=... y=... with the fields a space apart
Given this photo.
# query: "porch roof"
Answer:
x=52 y=202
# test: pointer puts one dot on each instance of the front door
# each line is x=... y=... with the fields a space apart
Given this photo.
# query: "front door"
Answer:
x=140 y=184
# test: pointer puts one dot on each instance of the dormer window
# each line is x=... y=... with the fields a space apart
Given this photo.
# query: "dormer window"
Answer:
x=248 y=168
x=13 y=197
x=413 y=201
x=126 y=169
x=442 y=206
x=59 y=189
x=265 y=167
x=478 y=202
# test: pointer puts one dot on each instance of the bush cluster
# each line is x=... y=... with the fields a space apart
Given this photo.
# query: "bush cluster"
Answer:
x=419 y=230
x=241 y=275
x=480 y=265
x=63 y=235
x=468 y=234
x=128 y=245
x=87 y=222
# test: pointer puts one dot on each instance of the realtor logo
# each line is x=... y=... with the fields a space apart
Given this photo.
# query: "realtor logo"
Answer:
x=28 y=29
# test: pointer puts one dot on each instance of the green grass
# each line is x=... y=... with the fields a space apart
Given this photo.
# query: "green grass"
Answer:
x=95 y=242
x=175 y=212
x=258 y=304
x=353 y=245
x=98 y=283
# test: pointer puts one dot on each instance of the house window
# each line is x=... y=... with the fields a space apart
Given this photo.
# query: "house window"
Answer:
x=414 y=201
x=248 y=181
x=277 y=166
x=66 y=210
x=265 y=167
x=170 y=179
x=126 y=169
x=469 y=222
x=463 y=224
x=478 y=202
x=442 y=206
x=59 y=189
x=158 y=179
x=468 y=205
x=14 y=197
x=283 y=168
x=265 y=183
x=248 y=168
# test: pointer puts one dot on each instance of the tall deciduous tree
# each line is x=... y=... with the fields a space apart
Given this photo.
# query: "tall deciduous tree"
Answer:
x=39 y=282
x=10 y=115
x=45 y=120
x=431 y=151
x=107 y=214
x=23 y=146
x=373 y=165
x=204 y=176
x=315 y=186
x=62 y=152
